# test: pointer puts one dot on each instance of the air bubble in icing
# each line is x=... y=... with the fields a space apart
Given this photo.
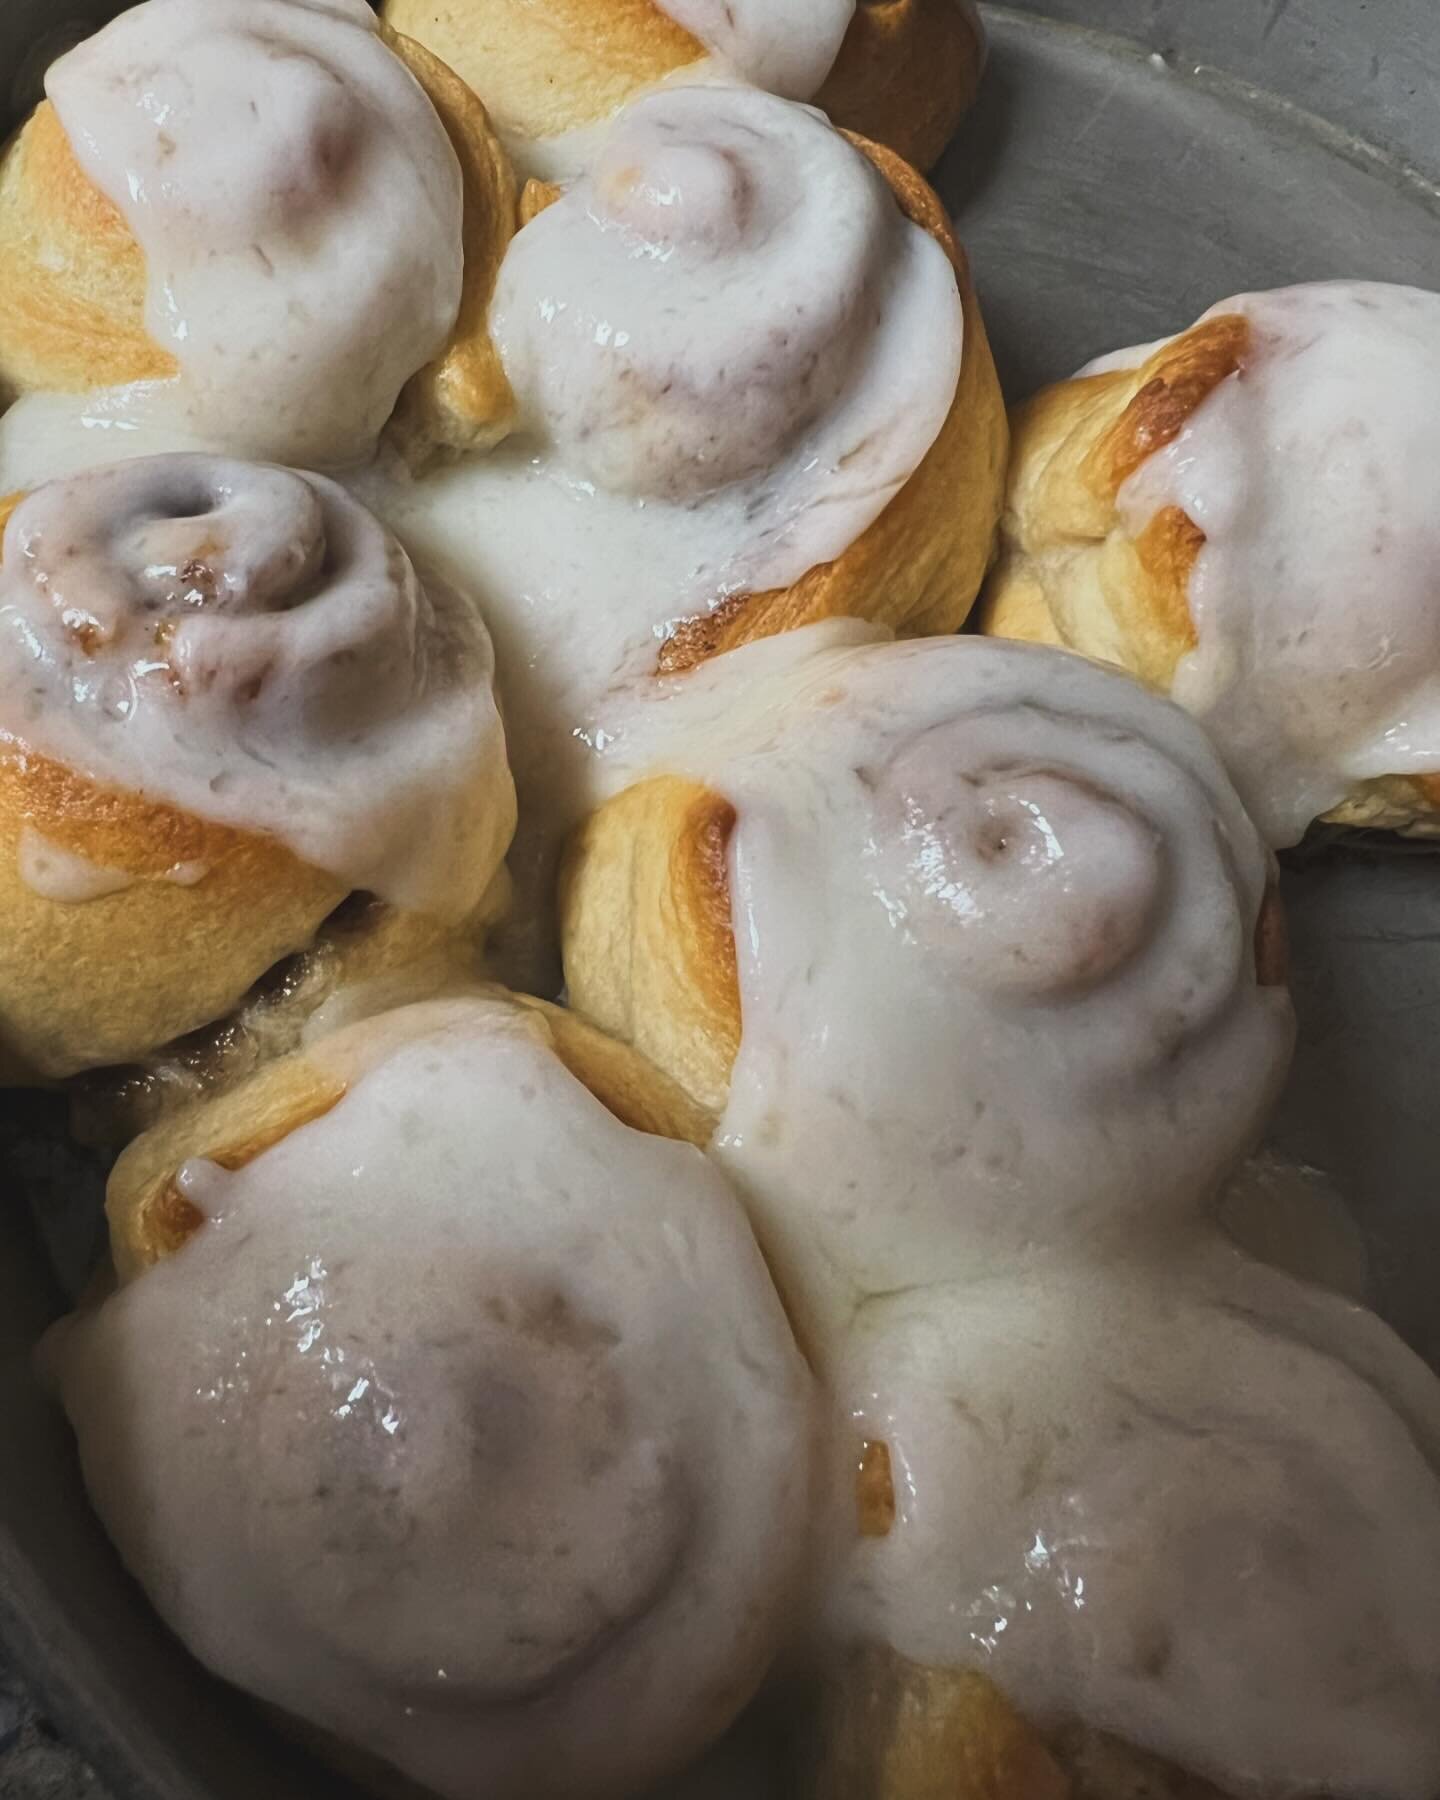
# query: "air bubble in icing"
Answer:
x=299 y=206
x=251 y=646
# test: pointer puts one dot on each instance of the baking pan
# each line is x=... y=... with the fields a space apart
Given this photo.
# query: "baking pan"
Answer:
x=1129 y=162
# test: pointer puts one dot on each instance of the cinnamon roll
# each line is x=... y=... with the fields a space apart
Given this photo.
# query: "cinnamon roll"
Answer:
x=248 y=230
x=492 y=1414
x=1113 y=1513
x=1243 y=516
x=900 y=71
x=965 y=947
x=753 y=389
x=227 y=701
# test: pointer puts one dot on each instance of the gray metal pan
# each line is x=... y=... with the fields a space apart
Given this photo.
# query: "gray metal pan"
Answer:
x=1130 y=162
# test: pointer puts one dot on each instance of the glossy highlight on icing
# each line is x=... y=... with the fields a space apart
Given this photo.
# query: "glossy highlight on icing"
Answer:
x=491 y=1412
x=1182 y=1498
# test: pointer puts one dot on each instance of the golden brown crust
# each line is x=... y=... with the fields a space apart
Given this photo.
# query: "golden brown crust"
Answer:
x=886 y=1729
x=73 y=279
x=906 y=74
x=463 y=401
x=906 y=71
x=646 y=929
x=878 y=1727
x=919 y=566
x=150 y=1218
x=366 y=958
x=105 y=980
x=548 y=66
x=1068 y=572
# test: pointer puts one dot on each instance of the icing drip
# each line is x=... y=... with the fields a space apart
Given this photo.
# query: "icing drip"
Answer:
x=1314 y=595
x=252 y=647
x=50 y=869
x=492 y=1415
x=298 y=204
x=787 y=46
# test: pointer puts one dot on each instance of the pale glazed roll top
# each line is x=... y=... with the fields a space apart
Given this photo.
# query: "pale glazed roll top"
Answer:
x=731 y=315
x=1244 y=513
x=989 y=915
x=309 y=231
x=251 y=647
x=1195 y=1508
x=466 y=1424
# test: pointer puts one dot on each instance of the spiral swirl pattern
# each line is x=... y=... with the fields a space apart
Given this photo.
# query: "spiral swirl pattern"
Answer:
x=731 y=314
x=251 y=645
x=298 y=203
x=994 y=912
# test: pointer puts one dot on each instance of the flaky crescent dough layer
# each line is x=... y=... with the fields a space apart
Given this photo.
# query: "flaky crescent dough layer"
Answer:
x=75 y=287
x=905 y=72
x=1241 y=516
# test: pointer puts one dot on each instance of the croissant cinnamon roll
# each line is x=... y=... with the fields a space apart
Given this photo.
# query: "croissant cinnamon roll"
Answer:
x=494 y=1420
x=965 y=947
x=753 y=389
x=227 y=701
x=248 y=229
x=1111 y=1514
x=552 y=71
x=1243 y=516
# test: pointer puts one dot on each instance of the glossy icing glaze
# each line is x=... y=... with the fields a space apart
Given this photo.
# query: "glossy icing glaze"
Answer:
x=994 y=912
x=1184 y=1499
x=1314 y=597
x=714 y=340
x=251 y=646
x=489 y=1410
x=298 y=204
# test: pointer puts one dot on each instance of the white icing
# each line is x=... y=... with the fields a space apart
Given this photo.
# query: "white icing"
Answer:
x=787 y=46
x=994 y=909
x=298 y=203
x=491 y=1415
x=730 y=350
x=251 y=646
x=1191 y=1503
x=1294 y=1217
x=44 y=436
x=49 y=869
x=1314 y=598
